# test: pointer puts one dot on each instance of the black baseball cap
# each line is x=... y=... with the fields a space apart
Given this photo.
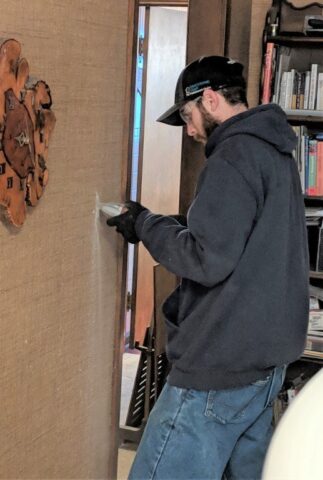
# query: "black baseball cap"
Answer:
x=207 y=72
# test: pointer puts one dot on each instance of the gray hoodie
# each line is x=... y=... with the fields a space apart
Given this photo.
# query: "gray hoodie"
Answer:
x=242 y=305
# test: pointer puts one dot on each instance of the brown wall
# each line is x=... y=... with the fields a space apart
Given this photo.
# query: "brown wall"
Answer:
x=58 y=275
x=205 y=36
x=215 y=27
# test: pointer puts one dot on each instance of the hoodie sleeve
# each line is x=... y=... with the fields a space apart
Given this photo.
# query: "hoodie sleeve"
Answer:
x=220 y=221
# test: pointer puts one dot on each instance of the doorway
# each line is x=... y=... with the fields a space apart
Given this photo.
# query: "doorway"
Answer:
x=156 y=162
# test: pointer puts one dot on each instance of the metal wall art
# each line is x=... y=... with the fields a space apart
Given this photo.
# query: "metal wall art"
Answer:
x=26 y=124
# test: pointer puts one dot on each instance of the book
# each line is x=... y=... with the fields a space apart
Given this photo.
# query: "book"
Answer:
x=299 y=86
x=314 y=213
x=306 y=156
x=282 y=61
x=307 y=89
x=319 y=99
x=282 y=90
x=315 y=320
x=300 y=101
x=316 y=292
x=296 y=151
x=267 y=73
x=295 y=90
x=314 y=343
x=289 y=89
x=314 y=304
x=312 y=165
x=319 y=168
x=301 y=168
x=313 y=87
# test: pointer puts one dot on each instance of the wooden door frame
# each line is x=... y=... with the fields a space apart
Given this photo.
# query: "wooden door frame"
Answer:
x=122 y=252
x=140 y=165
x=144 y=3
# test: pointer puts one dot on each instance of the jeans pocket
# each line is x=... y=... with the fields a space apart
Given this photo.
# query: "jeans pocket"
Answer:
x=234 y=406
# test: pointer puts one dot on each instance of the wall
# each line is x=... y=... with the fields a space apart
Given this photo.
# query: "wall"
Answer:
x=58 y=274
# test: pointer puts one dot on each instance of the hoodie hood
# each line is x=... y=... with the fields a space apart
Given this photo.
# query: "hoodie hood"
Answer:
x=266 y=122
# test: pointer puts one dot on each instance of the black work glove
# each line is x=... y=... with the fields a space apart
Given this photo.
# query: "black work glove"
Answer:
x=125 y=222
x=180 y=219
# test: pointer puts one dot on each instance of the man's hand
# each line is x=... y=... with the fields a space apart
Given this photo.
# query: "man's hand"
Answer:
x=125 y=223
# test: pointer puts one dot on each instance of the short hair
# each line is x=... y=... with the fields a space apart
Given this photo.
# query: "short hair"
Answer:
x=235 y=95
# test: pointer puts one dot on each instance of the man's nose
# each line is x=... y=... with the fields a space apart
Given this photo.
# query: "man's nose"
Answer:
x=191 y=131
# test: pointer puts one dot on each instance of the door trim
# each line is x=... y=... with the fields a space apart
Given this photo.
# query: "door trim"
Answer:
x=122 y=250
x=165 y=3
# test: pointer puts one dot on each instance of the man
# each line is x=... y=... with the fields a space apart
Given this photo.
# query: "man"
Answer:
x=240 y=313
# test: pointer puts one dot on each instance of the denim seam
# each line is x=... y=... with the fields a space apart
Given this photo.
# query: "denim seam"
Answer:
x=267 y=403
x=169 y=433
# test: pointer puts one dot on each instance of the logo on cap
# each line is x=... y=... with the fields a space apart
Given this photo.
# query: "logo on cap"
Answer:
x=197 y=87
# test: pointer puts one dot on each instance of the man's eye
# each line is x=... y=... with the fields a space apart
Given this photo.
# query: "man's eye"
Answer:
x=186 y=116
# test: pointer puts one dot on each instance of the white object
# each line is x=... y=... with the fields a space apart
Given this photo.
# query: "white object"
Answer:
x=295 y=452
x=111 y=209
x=313 y=87
x=316 y=320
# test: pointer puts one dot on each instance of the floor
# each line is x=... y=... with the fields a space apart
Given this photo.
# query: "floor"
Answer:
x=129 y=370
x=125 y=460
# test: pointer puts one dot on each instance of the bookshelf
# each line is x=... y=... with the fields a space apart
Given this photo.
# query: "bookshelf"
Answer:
x=292 y=77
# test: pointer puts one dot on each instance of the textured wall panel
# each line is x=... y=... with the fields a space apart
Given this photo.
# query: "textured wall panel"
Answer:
x=58 y=274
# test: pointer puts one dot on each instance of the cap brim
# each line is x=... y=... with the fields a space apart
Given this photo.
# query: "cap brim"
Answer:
x=172 y=116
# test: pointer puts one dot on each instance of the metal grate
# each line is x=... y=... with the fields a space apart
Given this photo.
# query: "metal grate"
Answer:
x=150 y=379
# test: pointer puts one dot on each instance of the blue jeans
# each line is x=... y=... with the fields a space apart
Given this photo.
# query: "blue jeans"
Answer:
x=202 y=435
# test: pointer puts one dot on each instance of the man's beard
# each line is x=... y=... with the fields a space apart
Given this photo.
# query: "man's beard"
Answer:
x=208 y=122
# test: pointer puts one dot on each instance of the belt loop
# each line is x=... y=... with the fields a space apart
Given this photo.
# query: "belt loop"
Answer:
x=276 y=372
x=272 y=383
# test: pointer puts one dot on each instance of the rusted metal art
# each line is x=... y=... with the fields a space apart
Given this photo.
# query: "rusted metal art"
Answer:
x=26 y=125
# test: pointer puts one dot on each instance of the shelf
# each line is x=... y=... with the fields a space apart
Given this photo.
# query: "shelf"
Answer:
x=314 y=116
x=314 y=274
x=296 y=40
x=313 y=355
x=309 y=198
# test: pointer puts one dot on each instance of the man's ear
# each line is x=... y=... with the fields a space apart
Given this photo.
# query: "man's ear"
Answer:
x=210 y=99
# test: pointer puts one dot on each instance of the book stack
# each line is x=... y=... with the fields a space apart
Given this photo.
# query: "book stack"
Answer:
x=315 y=331
x=290 y=88
x=309 y=158
x=315 y=325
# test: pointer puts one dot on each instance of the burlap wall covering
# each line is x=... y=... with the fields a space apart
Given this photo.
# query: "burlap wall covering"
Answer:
x=58 y=274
